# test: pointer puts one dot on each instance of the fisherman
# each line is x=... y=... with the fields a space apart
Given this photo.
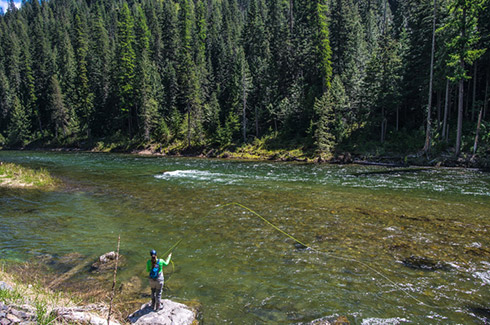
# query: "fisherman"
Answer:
x=154 y=267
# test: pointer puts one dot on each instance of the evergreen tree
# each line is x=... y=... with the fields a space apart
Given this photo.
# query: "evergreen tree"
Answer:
x=83 y=94
x=417 y=60
x=313 y=54
x=12 y=60
x=4 y=101
x=146 y=105
x=349 y=52
x=28 y=86
x=463 y=48
x=257 y=51
x=66 y=66
x=189 y=99
x=125 y=61
x=19 y=126
x=324 y=138
x=382 y=84
x=42 y=68
x=200 y=41
x=280 y=74
x=59 y=112
x=167 y=64
x=99 y=70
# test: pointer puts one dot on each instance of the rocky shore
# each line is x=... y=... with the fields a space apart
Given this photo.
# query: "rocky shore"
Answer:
x=26 y=303
x=93 y=314
x=15 y=315
x=442 y=160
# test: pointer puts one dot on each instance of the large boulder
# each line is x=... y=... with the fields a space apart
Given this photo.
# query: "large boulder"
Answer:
x=170 y=313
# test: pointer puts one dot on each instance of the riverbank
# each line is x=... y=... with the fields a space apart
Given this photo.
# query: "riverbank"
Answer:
x=250 y=152
x=28 y=303
x=257 y=153
x=34 y=301
x=15 y=176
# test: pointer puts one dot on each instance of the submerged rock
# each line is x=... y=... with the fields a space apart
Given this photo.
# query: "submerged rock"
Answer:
x=300 y=246
x=170 y=313
x=424 y=263
x=482 y=313
x=106 y=262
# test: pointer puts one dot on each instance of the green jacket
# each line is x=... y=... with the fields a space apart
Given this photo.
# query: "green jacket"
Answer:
x=160 y=264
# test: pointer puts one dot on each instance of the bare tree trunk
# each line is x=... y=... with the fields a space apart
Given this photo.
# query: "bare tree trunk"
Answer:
x=429 y=104
x=384 y=18
x=473 y=103
x=480 y=116
x=459 y=131
x=446 y=109
x=130 y=122
x=188 y=126
x=397 y=118
x=475 y=146
x=256 y=122
x=244 y=94
x=467 y=101
x=383 y=126
x=439 y=103
x=485 y=102
x=146 y=121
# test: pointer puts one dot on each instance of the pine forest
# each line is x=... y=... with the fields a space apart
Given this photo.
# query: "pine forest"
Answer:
x=326 y=76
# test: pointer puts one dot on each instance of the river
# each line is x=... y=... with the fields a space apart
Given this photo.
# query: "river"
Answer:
x=364 y=224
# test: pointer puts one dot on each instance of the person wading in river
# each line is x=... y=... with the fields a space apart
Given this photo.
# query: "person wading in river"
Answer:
x=154 y=267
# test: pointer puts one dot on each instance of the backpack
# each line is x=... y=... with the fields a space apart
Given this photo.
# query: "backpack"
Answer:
x=155 y=271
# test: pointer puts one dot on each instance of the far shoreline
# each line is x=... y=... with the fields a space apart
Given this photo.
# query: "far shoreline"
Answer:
x=467 y=162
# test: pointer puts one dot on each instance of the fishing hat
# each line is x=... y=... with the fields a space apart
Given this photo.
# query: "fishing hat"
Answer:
x=153 y=252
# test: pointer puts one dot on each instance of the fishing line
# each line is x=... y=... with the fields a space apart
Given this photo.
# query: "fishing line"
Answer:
x=328 y=254
x=393 y=283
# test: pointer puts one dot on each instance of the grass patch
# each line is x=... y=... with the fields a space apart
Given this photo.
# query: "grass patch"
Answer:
x=13 y=175
x=41 y=299
x=43 y=315
x=10 y=296
x=266 y=148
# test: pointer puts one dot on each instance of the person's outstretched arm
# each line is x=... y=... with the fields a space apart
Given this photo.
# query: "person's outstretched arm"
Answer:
x=168 y=259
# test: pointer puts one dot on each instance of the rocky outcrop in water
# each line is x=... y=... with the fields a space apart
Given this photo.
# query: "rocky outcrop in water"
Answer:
x=170 y=313
x=424 y=263
x=106 y=262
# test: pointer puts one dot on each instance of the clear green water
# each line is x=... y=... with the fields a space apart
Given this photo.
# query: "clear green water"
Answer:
x=243 y=271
